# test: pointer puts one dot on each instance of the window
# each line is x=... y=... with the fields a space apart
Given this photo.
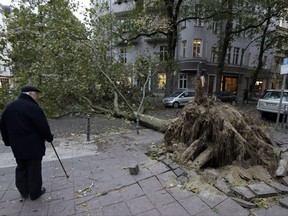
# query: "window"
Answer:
x=228 y=55
x=236 y=56
x=265 y=63
x=3 y=82
x=258 y=86
x=198 y=13
x=242 y=56
x=199 y=22
x=123 y=55
x=197 y=44
x=198 y=10
x=161 y=80
x=184 y=24
x=184 y=48
x=182 y=81
x=214 y=54
x=249 y=57
x=5 y=52
x=215 y=27
x=116 y=1
x=4 y=68
x=163 y=53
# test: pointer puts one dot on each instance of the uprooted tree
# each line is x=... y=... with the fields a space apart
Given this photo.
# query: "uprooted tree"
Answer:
x=71 y=66
x=211 y=133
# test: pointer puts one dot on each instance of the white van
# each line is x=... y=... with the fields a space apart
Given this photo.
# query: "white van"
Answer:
x=270 y=102
x=178 y=98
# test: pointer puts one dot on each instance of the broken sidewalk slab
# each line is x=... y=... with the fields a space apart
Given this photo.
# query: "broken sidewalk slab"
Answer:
x=170 y=163
x=262 y=189
x=233 y=177
x=167 y=161
x=179 y=172
x=282 y=168
x=285 y=180
x=282 y=189
x=156 y=168
x=229 y=207
x=183 y=179
x=243 y=192
x=284 y=202
x=168 y=179
x=260 y=172
x=243 y=203
x=222 y=186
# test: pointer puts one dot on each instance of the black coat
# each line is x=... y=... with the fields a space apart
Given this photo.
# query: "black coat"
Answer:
x=25 y=128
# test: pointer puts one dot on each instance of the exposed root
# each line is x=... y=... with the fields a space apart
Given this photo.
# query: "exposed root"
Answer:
x=217 y=134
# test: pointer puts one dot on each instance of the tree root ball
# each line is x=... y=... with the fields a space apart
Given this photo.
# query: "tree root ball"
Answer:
x=212 y=133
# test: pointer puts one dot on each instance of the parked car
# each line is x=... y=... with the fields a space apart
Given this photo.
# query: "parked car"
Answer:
x=226 y=96
x=178 y=98
x=270 y=102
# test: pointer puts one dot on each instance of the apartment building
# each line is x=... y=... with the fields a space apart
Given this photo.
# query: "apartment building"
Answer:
x=5 y=74
x=197 y=51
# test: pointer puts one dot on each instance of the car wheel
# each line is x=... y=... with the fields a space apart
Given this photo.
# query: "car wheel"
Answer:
x=175 y=104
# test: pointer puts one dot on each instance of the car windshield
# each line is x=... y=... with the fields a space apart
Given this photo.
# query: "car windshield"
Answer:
x=175 y=94
x=273 y=95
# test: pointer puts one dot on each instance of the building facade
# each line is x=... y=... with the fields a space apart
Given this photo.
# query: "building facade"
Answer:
x=197 y=51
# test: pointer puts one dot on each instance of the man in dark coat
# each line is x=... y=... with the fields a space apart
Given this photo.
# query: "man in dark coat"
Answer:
x=25 y=128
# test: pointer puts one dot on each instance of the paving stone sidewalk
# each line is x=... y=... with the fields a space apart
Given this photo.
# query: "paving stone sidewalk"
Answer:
x=99 y=182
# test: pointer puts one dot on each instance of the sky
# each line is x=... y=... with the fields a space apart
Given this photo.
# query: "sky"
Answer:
x=5 y=2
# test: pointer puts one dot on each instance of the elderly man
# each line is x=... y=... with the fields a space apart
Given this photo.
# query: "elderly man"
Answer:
x=25 y=128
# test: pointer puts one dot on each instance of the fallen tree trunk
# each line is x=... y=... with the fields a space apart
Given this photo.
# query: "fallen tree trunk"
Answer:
x=144 y=120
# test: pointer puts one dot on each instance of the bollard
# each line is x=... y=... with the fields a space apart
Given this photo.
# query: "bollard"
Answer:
x=88 y=127
x=137 y=124
x=134 y=169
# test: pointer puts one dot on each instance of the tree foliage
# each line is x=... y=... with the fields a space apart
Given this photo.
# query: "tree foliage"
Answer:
x=51 y=48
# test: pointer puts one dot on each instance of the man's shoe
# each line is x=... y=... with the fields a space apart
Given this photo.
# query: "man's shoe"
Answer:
x=24 y=196
x=43 y=190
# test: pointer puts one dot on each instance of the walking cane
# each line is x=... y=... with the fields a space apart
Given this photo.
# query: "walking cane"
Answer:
x=59 y=160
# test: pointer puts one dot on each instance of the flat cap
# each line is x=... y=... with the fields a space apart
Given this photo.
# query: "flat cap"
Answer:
x=28 y=88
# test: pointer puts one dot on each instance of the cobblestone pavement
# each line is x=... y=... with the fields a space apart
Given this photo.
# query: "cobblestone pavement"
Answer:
x=100 y=182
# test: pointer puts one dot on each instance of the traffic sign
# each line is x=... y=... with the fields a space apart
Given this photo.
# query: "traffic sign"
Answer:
x=284 y=69
x=285 y=61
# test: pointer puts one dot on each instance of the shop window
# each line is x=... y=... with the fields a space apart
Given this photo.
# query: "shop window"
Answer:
x=161 y=80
